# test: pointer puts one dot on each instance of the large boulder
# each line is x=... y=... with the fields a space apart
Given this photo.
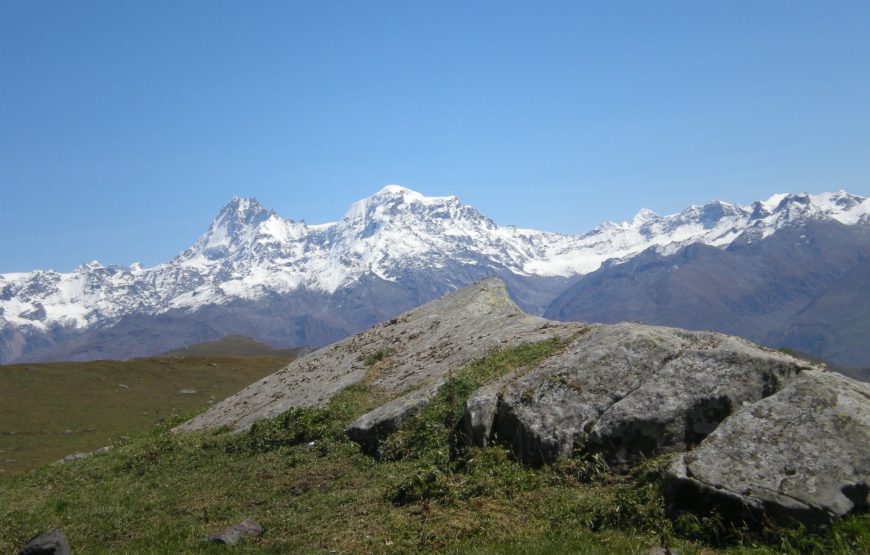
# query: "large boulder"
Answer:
x=630 y=391
x=801 y=455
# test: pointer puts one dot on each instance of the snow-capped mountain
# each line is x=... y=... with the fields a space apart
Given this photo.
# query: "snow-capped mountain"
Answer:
x=389 y=252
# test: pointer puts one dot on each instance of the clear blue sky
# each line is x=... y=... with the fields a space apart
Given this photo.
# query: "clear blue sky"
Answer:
x=125 y=126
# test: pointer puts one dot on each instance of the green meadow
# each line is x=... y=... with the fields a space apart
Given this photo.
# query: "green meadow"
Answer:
x=50 y=410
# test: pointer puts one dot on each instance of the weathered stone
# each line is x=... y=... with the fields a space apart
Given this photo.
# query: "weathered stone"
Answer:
x=376 y=425
x=801 y=455
x=630 y=391
x=53 y=542
x=236 y=533
x=78 y=455
x=74 y=457
x=687 y=399
x=425 y=344
x=481 y=407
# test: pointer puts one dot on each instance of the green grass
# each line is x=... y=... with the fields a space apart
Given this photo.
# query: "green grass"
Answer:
x=378 y=356
x=314 y=491
x=50 y=410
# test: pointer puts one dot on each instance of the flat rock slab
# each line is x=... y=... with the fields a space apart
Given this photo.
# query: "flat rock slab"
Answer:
x=53 y=542
x=800 y=455
x=397 y=356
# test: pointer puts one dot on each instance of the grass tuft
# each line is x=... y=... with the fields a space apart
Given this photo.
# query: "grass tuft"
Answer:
x=378 y=356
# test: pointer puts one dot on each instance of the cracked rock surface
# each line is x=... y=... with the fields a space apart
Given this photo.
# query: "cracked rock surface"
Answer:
x=802 y=454
x=630 y=391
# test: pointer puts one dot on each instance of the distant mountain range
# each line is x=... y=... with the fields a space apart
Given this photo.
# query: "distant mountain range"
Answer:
x=789 y=271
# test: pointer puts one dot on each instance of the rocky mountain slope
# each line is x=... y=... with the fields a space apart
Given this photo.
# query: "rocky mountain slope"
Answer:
x=289 y=283
x=793 y=439
x=806 y=287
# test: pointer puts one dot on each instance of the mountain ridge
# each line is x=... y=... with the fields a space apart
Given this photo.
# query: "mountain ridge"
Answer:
x=398 y=247
x=803 y=288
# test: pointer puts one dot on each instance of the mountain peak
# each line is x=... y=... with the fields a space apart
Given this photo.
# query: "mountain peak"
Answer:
x=242 y=209
x=841 y=206
x=644 y=215
x=397 y=190
x=88 y=266
x=393 y=193
x=233 y=227
x=393 y=199
x=396 y=235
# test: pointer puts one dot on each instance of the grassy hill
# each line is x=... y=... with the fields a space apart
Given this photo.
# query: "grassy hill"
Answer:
x=50 y=410
x=314 y=491
x=234 y=346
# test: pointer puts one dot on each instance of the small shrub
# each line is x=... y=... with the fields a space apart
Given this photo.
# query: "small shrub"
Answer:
x=582 y=469
x=378 y=356
x=294 y=427
x=422 y=483
x=151 y=453
x=492 y=471
x=711 y=528
x=433 y=433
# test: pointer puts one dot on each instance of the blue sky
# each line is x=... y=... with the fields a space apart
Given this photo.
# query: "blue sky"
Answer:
x=125 y=126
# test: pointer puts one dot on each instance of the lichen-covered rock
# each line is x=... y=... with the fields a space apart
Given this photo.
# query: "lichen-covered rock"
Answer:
x=800 y=455
x=631 y=391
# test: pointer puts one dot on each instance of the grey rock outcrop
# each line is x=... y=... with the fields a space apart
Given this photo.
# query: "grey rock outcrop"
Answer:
x=77 y=456
x=766 y=433
x=401 y=355
x=630 y=391
x=481 y=408
x=53 y=542
x=800 y=455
